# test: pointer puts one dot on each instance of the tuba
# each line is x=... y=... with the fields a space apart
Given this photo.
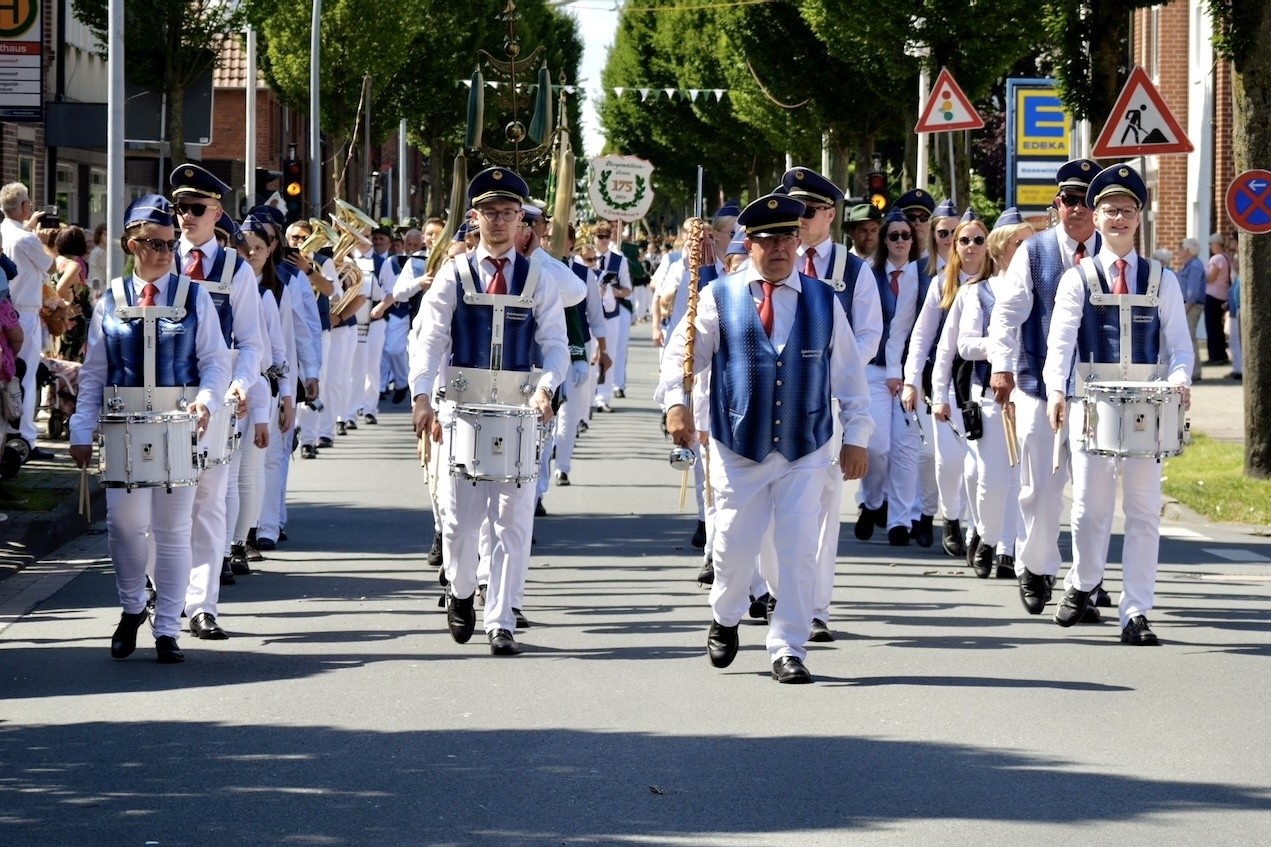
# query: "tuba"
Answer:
x=348 y=224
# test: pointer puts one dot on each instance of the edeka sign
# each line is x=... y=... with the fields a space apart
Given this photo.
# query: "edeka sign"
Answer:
x=1038 y=141
x=21 y=61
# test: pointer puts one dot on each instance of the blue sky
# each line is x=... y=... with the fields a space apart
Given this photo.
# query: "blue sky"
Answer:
x=597 y=22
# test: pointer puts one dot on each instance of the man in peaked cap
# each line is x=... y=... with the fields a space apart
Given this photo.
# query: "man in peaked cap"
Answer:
x=1118 y=316
x=197 y=195
x=863 y=223
x=494 y=281
x=1017 y=352
x=777 y=349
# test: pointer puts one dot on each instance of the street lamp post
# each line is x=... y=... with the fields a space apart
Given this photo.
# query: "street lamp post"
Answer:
x=315 y=135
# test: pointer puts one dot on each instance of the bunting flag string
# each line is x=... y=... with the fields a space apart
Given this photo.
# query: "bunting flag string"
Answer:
x=645 y=93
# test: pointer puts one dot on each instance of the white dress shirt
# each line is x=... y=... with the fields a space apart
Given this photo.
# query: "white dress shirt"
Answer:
x=24 y=248
x=572 y=289
x=244 y=298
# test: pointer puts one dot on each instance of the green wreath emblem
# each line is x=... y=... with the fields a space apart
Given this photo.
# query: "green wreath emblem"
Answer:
x=621 y=207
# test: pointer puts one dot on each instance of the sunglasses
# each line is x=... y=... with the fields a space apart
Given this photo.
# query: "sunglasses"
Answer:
x=158 y=244
x=194 y=210
x=811 y=211
x=1071 y=200
x=967 y=240
x=902 y=235
x=917 y=217
x=943 y=233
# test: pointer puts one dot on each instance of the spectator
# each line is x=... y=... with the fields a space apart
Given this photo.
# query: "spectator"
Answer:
x=1191 y=276
x=67 y=247
x=1237 y=349
x=1217 y=288
x=98 y=260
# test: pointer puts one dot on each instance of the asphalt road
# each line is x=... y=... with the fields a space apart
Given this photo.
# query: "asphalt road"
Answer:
x=341 y=713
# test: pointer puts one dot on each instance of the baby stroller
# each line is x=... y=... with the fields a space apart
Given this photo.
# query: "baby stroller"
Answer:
x=14 y=449
x=60 y=381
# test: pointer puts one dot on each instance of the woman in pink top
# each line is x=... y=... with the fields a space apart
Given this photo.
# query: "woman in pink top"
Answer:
x=1217 y=284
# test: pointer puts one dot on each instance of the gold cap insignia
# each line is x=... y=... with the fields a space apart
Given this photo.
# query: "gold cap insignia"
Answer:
x=798 y=174
x=918 y=193
x=1123 y=172
x=189 y=172
x=1085 y=166
x=772 y=204
x=497 y=175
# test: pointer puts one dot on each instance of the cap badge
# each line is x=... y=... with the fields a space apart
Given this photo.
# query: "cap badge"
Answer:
x=1123 y=173
x=189 y=172
x=798 y=174
x=497 y=175
x=1085 y=166
x=772 y=204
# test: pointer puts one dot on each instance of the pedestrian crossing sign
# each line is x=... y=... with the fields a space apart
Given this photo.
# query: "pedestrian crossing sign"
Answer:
x=947 y=108
x=1140 y=124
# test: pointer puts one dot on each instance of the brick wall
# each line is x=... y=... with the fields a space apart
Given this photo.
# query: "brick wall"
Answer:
x=1170 y=65
x=1224 y=158
x=229 y=127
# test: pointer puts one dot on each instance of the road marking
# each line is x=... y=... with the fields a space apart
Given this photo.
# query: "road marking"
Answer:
x=1183 y=533
x=1238 y=555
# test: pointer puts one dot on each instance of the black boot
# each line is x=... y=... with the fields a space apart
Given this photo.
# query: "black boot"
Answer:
x=952 y=541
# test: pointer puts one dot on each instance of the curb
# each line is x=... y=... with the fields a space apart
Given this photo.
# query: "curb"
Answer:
x=54 y=528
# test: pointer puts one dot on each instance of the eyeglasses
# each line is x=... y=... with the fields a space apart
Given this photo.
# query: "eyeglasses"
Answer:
x=600 y=237
x=811 y=211
x=774 y=238
x=917 y=217
x=943 y=233
x=901 y=235
x=158 y=244
x=194 y=210
x=1071 y=200
x=504 y=215
x=1126 y=212
x=967 y=240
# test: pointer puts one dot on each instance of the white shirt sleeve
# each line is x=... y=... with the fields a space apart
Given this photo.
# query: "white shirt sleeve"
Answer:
x=572 y=289
x=1065 y=320
x=706 y=342
x=1013 y=306
x=244 y=300
x=924 y=334
x=430 y=346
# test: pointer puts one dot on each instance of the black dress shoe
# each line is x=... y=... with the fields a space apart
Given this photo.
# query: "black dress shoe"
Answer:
x=539 y=511
x=167 y=651
x=1005 y=566
x=341 y=428
x=759 y=606
x=282 y=536
x=790 y=671
x=522 y=622
x=266 y=544
x=461 y=617
x=769 y=608
x=1034 y=591
x=205 y=626
x=39 y=454
x=1101 y=597
x=434 y=553
x=325 y=443
x=952 y=541
x=706 y=576
x=983 y=561
x=227 y=573
x=865 y=523
x=124 y=640
x=972 y=544
x=308 y=451
x=350 y=425
x=699 y=536
x=370 y=420
x=922 y=532
x=721 y=644
x=898 y=536
x=1073 y=607
x=820 y=631
x=238 y=560
x=399 y=396
x=503 y=644
x=1137 y=631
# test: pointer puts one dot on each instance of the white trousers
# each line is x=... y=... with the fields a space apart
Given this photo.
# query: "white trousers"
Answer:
x=32 y=335
x=340 y=367
x=1094 y=489
x=748 y=497
x=617 y=353
x=996 y=485
x=314 y=424
x=574 y=410
x=545 y=463
x=394 y=366
x=642 y=299
x=242 y=501
x=624 y=341
x=893 y=452
x=951 y=459
x=368 y=395
x=148 y=522
x=206 y=540
x=1041 y=492
x=927 y=495
x=273 y=503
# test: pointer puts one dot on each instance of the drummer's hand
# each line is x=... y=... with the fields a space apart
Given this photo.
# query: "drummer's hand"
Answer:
x=311 y=390
x=940 y=411
x=202 y=417
x=908 y=397
x=424 y=418
x=680 y=424
x=260 y=435
x=1056 y=410
x=286 y=414
x=703 y=438
x=541 y=402
x=81 y=454
x=893 y=388
x=853 y=461
x=1002 y=383
x=658 y=338
x=1187 y=397
x=237 y=394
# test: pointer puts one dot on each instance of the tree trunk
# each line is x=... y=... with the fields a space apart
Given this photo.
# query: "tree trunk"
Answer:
x=176 y=127
x=1251 y=95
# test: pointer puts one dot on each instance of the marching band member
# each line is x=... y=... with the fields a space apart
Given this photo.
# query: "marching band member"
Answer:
x=992 y=483
x=1147 y=315
x=193 y=352
x=578 y=392
x=197 y=195
x=615 y=286
x=771 y=431
x=319 y=274
x=1017 y=351
x=366 y=387
x=394 y=366
x=889 y=487
x=534 y=337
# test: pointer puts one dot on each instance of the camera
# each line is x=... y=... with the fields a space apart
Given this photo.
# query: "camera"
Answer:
x=50 y=220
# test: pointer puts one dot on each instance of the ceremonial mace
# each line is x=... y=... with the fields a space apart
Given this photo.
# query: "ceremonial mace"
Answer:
x=684 y=458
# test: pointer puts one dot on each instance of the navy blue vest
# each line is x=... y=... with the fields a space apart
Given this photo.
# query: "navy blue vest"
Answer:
x=580 y=308
x=887 y=300
x=403 y=310
x=1099 y=339
x=851 y=272
x=472 y=326
x=1045 y=267
x=611 y=264
x=760 y=401
x=224 y=310
x=176 y=361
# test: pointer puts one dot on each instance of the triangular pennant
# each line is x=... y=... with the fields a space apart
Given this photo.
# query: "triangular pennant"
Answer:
x=670 y=93
x=1140 y=124
x=569 y=89
x=466 y=82
x=618 y=90
x=692 y=94
x=494 y=84
x=644 y=94
x=719 y=94
x=948 y=108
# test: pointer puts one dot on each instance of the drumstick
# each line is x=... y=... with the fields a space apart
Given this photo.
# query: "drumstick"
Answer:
x=85 y=504
x=1054 y=457
x=425 y=449
x=683 y=488
x=1008 y=426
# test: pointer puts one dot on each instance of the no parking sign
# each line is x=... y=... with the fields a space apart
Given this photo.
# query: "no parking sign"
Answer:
x=1249 y=201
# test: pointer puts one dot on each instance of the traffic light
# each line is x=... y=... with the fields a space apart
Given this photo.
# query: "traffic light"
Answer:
x=877 y=184
x=293 y=187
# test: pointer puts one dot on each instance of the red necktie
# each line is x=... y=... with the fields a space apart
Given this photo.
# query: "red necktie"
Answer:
x=765 y=308
x=148 y=293
x=194 y=265
x=1079 y=253
x=809 y=262
x=1118 y=283
x=498 y=285
x=895 y=283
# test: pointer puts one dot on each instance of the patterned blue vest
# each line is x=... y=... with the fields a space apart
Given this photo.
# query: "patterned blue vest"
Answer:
x=176 y=362
x=760 y=401
x=887 y=301
x=472 y=326
x=611 y=264
x=580 y=308
x=1099 y=338
x=224 y=310
x=1045 y=267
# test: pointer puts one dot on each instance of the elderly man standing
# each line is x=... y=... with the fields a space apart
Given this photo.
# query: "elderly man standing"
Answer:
x=26 y=290
x=1191 y=276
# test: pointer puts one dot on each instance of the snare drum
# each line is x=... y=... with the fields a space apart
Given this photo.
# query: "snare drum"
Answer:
x=494 y=443
x=217 y=445
x=1141 y=420
x=149 y=450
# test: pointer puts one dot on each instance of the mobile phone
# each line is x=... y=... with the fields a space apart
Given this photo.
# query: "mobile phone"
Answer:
x=50 y=219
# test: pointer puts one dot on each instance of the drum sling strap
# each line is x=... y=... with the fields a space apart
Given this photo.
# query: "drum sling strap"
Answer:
x=838 y=268
x=1093 y=276
x=150 y=316
x=500 y=304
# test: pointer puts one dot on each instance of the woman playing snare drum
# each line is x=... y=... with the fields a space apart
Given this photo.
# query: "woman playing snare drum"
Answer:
x=190 y=351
